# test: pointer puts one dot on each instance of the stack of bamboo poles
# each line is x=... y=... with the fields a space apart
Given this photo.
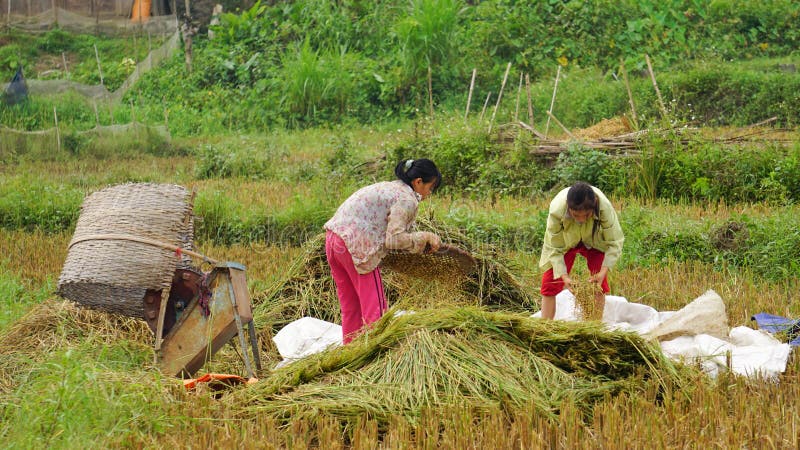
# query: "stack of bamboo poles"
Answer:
x=629 y=143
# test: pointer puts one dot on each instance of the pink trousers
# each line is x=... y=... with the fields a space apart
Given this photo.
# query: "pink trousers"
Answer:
x=361 y=296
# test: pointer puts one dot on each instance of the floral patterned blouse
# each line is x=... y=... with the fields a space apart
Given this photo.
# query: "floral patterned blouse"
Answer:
x=375 y=219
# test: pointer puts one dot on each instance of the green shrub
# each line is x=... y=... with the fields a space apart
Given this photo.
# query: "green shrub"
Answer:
x=580 y=163
x=721 y=94
x=470 y=162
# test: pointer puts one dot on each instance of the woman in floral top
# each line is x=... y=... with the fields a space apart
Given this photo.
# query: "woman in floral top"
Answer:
x=375 y=219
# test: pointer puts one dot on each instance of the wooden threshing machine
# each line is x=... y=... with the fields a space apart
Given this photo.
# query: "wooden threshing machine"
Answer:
x=131 y=255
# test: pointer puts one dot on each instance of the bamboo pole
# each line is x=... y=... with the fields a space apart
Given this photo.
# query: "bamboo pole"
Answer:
x=96 y=115
x=430 y=92
x=8 y=15
x=99 y=69
x=484 y=106
x=630 y=95
x=64 y=60
x=499 y=97
x=531 y=129
x=162 y=312
x=530 y=100
x=655 y=85
x=558 y=122
x=469 y=96
x=552 y=102
x=58 y=133
x=519 y=93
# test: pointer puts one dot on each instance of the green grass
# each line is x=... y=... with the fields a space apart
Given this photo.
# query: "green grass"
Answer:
x=87 y=396
x=17 y=297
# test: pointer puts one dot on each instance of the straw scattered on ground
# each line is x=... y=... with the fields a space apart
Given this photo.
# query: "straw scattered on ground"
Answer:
x=606 y=128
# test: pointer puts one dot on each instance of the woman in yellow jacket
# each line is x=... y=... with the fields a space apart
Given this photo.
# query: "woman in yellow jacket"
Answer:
x=581 y=221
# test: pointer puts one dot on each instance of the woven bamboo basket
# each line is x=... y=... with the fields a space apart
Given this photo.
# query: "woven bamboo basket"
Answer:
x=448 y=264
x=127 y=241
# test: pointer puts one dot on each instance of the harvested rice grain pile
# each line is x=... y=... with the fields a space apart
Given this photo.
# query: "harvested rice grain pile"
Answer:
x=466 y=357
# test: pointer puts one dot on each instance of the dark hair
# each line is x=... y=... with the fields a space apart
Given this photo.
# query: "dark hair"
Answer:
x=581 y=197
x=410 y=169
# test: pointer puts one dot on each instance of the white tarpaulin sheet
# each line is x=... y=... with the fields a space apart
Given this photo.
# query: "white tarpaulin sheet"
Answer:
x=693 y=334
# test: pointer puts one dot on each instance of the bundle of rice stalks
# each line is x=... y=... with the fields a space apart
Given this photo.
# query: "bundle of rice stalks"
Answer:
x=308 y=289
x=463 y=357
x=585 y=306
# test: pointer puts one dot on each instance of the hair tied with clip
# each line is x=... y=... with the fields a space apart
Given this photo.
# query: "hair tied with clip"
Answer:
x=409 y=162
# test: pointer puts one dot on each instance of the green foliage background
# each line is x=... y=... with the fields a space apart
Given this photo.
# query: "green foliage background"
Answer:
x=311 y=62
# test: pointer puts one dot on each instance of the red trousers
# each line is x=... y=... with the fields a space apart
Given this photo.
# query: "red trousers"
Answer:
x=594 y=260
x=361 y=296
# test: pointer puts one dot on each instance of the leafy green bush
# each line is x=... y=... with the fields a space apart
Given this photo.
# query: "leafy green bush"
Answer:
x=705 y=171
x=369 y=60
x=579 y=163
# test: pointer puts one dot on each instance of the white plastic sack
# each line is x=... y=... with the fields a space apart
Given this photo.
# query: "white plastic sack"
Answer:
x=304 y=337
x=705 y=315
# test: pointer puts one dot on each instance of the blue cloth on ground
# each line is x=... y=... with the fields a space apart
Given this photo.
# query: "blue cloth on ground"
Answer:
x=777 y=324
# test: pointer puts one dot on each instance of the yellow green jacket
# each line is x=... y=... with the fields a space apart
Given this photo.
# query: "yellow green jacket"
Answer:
x=563 y=233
